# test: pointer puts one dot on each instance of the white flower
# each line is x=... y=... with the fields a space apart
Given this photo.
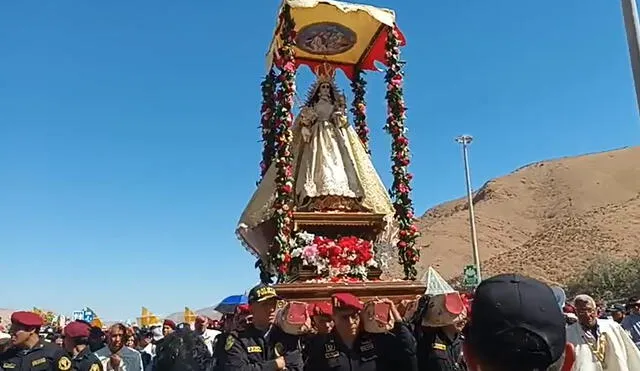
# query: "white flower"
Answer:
x=306 y=237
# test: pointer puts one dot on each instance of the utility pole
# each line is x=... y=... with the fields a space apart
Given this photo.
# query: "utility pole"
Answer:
x=465 y=141
x=632 y=26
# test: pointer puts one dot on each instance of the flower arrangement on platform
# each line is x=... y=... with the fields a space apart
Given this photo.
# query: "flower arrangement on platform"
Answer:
x=267 y=111
x=342 y=258
x=359 y=108
x=283 y=203
x=400 y=191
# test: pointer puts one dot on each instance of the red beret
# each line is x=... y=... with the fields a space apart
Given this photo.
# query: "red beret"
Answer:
x=27 y=319
x=170 y=323
x=322 y=308
x=77 y=329
x=243 y=309
x=346 y=301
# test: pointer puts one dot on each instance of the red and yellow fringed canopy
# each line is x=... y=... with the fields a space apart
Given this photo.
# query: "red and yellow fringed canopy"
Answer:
x=348 y=36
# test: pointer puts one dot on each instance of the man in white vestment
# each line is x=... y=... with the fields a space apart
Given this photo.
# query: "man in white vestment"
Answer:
x=208 y=335
x=600 y=344
x=116 y=356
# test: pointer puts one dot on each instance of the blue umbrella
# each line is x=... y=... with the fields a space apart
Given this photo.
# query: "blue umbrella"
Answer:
x=228 y=305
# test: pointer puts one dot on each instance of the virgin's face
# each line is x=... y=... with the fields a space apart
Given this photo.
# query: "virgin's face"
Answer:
x=325 y=90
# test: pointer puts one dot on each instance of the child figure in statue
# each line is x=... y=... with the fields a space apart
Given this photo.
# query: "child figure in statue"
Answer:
x=332 y=170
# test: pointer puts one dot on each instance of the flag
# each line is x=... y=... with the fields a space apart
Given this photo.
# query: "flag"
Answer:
x=147 y=318
x=189 y=315
x=97 y=323
x=90 y=316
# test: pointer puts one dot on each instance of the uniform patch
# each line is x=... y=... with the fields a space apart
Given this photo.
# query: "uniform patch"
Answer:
x=8 y=365
x=94 y=367
x=332 y=354
x=229 y=343
x=330 y=347
x=254 y=349
x=64 y=364
x=38 y=361
x=365 y=346
x=439 y=346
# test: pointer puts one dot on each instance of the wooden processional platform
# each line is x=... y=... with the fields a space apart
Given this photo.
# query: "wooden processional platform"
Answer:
x=313 y=292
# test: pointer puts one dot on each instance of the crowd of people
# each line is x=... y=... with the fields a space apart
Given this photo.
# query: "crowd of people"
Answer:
x=512 y=323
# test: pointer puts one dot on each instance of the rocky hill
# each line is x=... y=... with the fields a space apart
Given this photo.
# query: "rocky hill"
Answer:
x=546 y=220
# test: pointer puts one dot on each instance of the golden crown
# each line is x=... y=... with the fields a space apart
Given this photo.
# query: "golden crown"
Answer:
x=325 y=72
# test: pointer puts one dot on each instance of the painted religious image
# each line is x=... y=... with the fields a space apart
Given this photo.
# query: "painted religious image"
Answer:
x=326 y=38
x=332 y=170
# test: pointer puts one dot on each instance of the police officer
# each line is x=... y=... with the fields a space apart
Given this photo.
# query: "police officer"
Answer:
x=261 y=345
x=349 y=347
x=438 y=333
x=29 y=351
x=76 y=343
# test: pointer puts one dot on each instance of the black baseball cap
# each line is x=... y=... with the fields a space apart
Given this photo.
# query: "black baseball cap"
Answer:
x=262 y=292
x=516 y=322
x=617 y=308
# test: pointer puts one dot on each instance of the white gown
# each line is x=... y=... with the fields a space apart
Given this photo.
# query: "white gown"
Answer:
x=620 y=352
x=332 y=161
x=327 y=164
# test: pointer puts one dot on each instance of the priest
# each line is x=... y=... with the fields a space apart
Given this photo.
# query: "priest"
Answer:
x=600 y=344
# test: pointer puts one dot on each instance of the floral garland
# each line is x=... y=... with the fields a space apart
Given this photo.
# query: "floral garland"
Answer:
x=359 y=108
x=400 y=191
x=282 y=205
x=267 y=111
x=343 y=258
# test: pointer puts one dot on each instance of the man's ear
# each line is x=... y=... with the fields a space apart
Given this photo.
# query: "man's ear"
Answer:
x=469 y=357
x=569 y=357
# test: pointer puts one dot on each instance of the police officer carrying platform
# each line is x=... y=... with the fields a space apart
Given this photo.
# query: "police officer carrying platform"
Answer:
x=437 y=331
x=29 y=352
x=76 y=343
x=349 y=347
x=261 y=345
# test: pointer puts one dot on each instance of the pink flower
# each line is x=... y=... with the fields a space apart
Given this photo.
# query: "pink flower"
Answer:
x=289 y=66
x=310 y=252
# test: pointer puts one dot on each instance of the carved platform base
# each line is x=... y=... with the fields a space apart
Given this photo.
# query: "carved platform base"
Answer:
x=334 y=224
x=309 y=273
x=313 y=292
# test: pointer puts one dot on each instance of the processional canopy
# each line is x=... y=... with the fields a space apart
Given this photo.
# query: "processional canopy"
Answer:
x=348 y=36
x=318 y=186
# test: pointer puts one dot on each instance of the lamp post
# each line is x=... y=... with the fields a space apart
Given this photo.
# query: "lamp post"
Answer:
x=632 y=26
x=465 y=141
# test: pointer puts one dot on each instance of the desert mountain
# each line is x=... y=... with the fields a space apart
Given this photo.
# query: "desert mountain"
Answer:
x=546 y=220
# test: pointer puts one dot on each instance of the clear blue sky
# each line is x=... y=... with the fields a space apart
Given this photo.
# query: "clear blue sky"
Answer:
x=129 y=141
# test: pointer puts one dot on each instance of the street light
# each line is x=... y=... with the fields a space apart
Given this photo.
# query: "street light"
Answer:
x=632 y=26
x=465 y=141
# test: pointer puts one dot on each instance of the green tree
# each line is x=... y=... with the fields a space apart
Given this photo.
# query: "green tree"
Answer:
x=608 y=278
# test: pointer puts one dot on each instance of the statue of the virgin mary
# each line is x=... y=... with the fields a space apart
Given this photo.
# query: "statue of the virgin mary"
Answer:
x=332 y=170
